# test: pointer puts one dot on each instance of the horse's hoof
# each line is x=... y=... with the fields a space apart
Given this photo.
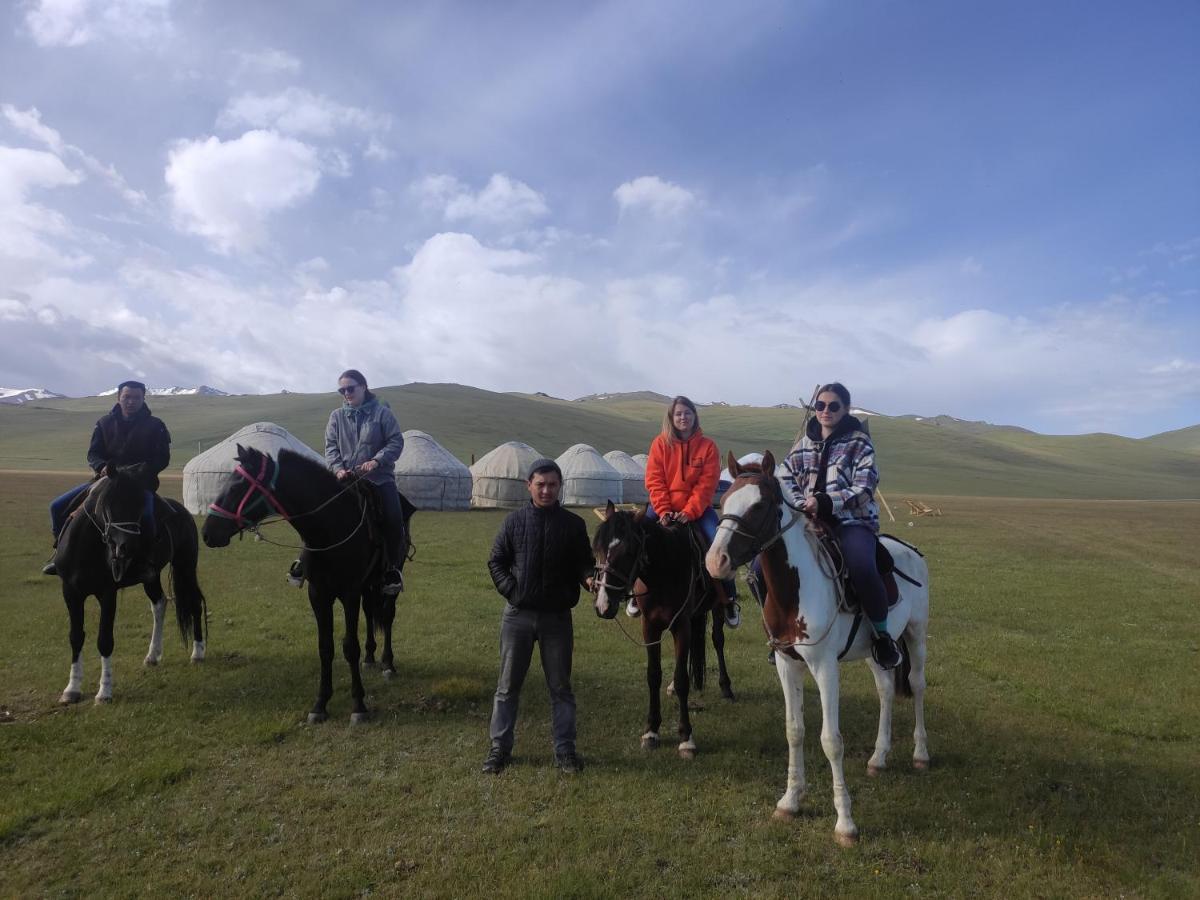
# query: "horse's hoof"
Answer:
x=369 y=662
x=649 y=742
x=696 y=705
x=783 y=815
x=360 y=718
x=921 y=765
x=389 y=673
x=150 y=661
x=196 y=660
x=846 y=840
x=101 y=700
x=316 y=718
x=69 y=697
x=728 y=695
x=686 y=753
x=670 y=688
x=874 y=771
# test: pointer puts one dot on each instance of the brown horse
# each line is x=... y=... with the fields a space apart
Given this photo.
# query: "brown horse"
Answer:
x=659 y=565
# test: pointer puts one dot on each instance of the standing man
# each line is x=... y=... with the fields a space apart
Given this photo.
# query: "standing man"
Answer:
x=539 y=559
x=127 y=436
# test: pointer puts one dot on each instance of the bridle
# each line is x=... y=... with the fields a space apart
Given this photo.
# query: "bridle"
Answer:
x=261 y=492
x=624 y=589
x=740 y=527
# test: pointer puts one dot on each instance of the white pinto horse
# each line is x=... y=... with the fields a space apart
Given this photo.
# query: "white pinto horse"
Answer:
x=807 y=628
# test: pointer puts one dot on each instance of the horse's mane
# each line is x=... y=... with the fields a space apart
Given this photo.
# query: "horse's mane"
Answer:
x=310 y=467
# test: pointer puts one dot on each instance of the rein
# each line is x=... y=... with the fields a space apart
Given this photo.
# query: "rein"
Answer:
x=265 y=494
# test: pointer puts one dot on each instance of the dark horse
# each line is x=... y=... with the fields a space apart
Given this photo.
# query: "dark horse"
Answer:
x=101 y=549
x=661 y=566
x=342 y=556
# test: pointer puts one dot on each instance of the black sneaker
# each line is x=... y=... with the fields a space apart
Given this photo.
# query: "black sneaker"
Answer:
x=393 y=582
x=496 y=760
x=295 y=575
x=885 y=652
x=733 y=614
x=568 y=761
x=50 y=568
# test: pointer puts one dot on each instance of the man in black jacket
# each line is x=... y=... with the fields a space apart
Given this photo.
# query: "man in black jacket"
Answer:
x=539 y=559
x=128 y=436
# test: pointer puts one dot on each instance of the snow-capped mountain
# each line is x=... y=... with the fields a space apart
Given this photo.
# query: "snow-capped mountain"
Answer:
x=17 y=396
x=202 y=391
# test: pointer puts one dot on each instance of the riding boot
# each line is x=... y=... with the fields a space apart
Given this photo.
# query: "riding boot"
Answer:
x=884 y=651
x=50 y=568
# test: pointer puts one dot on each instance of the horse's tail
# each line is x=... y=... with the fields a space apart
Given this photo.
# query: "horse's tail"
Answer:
x=903 y=688
x=190 y=605
x=696 y=651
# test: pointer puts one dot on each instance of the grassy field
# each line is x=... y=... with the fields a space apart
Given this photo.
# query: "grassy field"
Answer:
x=941 y=456
x=1063 y=707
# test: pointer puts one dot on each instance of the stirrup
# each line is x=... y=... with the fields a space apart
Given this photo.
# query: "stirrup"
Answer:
x=295 y=575
x=733 y=614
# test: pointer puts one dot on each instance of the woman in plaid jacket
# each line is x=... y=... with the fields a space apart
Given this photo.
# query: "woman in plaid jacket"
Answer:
x=833 y=478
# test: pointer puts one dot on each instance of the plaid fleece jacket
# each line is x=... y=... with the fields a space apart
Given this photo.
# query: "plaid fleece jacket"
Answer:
x=841 y=469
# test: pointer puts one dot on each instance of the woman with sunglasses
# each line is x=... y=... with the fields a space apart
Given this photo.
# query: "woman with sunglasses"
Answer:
x=363 y=438
x=833 y=479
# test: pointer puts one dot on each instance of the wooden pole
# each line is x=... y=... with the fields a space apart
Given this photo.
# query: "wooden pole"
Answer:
x=883 y=499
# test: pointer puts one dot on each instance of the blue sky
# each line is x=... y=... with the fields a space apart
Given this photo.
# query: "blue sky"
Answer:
x=991 y=211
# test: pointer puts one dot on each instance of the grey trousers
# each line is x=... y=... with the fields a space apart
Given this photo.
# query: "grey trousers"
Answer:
x=552 y=632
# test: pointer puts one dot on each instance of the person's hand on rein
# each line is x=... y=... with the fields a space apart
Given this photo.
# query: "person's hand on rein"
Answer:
x=369 y=466
x=809 y=507
x=343 y=474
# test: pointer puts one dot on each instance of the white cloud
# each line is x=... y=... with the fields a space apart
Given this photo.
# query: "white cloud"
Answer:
x=503 y=200
x=296 y=111
x=72 y=23
x=651 y=194
x=31 y=235
x=29 y=123
x=226 y=190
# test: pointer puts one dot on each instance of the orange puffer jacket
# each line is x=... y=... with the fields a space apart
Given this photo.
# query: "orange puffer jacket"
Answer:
x=682 y=477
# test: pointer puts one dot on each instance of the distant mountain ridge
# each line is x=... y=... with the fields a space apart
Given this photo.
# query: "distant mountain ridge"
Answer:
x=17 y=396
x=202 y=391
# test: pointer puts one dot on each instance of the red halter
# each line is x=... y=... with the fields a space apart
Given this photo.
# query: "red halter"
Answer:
x=257 y=486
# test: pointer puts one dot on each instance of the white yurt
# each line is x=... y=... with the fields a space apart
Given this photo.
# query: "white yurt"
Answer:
x=725 y=479
x=498 y=478
x=641 y=459
x=633 y=476
x=206 y=474
x=588 y=479
x=430 y=476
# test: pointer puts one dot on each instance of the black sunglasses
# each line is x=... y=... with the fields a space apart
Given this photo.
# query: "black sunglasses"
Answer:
x=349 y=389
x=833 y=406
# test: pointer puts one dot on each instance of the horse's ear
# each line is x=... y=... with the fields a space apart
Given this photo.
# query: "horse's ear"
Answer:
x=768 y=463
x=609 y=509
x=641 y=513
x=241 y=453
x=731 y=464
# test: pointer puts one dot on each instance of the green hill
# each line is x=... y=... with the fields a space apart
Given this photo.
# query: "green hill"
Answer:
x=933 y=456
x=1186 y=440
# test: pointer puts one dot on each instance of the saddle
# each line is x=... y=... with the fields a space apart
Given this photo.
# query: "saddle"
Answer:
x=884 y=564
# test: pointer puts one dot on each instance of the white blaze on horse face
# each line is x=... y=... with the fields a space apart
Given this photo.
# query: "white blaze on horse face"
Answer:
x=602 y=598
x=736 y=503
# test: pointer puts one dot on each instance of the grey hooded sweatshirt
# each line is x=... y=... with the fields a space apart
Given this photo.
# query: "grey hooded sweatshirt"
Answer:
x=354 y=436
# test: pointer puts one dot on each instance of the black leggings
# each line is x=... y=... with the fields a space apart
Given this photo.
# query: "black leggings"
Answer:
x=858 y=547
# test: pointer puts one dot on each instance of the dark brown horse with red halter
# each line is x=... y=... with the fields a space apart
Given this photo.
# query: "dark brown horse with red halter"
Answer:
x=808 y=626
x=342 y=558
x=660 y=566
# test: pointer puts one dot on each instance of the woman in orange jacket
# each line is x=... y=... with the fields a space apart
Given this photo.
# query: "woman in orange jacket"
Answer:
x=681 y=478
